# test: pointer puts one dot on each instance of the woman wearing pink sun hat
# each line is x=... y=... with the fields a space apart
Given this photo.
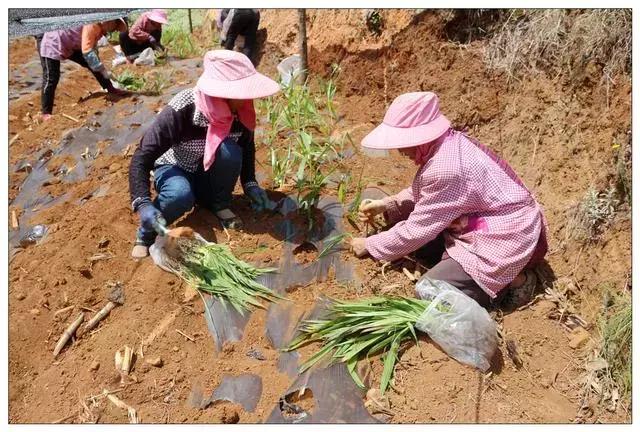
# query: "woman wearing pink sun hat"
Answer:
x=198 y=147
x=467 y=213
x=145 y=33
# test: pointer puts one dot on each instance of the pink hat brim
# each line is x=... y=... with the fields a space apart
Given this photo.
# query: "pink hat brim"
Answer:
x=251 y=87
x=386 y=137
x=158 y=18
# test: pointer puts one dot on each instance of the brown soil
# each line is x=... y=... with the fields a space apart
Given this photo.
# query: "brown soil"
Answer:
x=556 y=134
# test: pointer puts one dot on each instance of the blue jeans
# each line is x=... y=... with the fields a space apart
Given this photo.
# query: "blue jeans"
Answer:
x=179 y=190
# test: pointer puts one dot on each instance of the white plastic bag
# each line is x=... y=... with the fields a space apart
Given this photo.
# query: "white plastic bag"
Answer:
x=103 y=42
x=290 y=69
x=146 y=58
x=118 y=60
x=459 y=325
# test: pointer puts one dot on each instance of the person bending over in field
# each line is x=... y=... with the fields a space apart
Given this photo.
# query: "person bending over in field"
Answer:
x=145 y=33
x=198 y=146
x=78 y=44
x=239 y=22
x=466 y=213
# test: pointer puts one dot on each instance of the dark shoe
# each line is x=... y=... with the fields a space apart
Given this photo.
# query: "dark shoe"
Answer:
x=523 y=294
x=228 y=219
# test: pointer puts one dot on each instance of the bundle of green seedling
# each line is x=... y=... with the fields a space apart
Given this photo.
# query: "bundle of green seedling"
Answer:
x=212 y=268
x=352 y=331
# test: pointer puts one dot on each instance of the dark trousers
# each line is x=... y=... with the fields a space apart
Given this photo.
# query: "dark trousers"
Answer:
x=178 y=190
x=130 y=47
x=244 y=22
x=51 y=77
x=445 y=268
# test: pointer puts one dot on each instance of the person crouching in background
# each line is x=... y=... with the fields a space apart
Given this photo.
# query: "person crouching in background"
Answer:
x=145 y=33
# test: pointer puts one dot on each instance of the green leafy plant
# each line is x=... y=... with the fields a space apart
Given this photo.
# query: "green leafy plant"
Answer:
x=213 y=268
x=331 y=242
x=303 y=151
x=593 y=215
x=615 y=330
x=152 y=83
x=352 y=214
x=374 y=22
x=280 y=166
x=156 y=82
x=180 y=42
x=130 y=81
x=355 y=330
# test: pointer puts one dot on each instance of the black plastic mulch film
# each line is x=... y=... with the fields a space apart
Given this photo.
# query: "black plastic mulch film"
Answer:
x=34 y=21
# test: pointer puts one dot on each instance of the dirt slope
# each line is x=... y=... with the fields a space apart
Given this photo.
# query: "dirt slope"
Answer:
x=557 y=137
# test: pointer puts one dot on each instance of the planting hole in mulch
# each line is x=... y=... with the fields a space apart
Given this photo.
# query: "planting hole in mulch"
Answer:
x=297 y=405
x=305 y=253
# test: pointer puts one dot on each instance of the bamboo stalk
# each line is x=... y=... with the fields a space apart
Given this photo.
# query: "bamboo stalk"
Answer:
x=99 y=316
x=67 y=335
x=126 y=360
x=118 y=361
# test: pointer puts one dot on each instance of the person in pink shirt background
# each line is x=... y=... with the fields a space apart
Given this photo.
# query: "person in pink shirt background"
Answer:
x=80 y=45
x=145 y=33
x=466 y=213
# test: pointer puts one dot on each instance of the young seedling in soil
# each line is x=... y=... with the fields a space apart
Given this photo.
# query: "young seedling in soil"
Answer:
x=305 y=130
x=130 y=81
x=332 y=242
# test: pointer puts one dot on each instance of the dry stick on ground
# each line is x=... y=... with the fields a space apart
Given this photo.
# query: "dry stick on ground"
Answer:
x=67 y=335
x=185 y=335
x=71 y=118
x=131 y=412
x=63 y=310
x=64 y=419
x=15 y=137
x=14 y=220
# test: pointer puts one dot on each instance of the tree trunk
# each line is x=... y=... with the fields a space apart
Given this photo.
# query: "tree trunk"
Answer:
x=302 y=43
x=190 y=22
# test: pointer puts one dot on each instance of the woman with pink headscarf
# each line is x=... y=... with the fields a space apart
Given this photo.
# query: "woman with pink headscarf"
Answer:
x=467 y=213
x=145 y=33
x=198 y=147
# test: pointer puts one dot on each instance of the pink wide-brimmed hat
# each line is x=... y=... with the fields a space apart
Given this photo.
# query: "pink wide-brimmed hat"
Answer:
x=231 y=75
x=159 y=16
x=411 y=120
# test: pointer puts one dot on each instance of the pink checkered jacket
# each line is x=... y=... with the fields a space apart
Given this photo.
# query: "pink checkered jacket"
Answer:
x=493 y=227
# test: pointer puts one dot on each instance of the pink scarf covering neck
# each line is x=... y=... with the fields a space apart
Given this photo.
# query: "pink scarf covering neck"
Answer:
x=425 y=151
x=220 y=117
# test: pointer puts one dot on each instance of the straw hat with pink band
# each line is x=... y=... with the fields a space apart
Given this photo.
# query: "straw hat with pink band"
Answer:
x=159 y=16
x=412 y=119
x=228 y=75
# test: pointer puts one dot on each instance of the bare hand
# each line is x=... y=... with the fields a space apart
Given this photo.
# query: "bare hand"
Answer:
x=369 y=209
x=359 y=247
